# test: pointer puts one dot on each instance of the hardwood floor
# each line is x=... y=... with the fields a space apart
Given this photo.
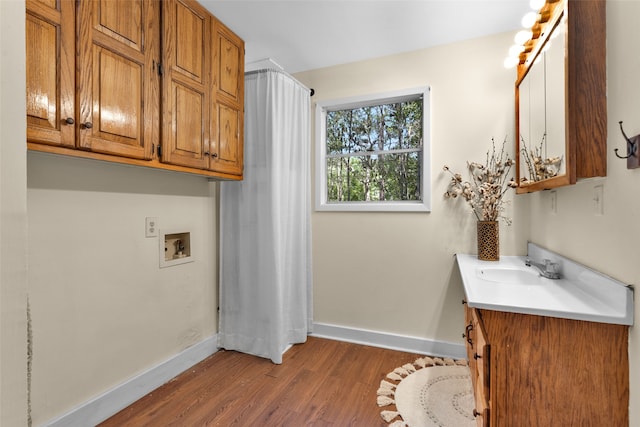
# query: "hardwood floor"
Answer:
x=320 y=383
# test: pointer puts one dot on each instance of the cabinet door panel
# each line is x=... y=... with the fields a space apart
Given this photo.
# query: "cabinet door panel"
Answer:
x=190 y=42
x=50 y=72
x=229 y=66
x=122 y=22
x=119 y=90
x=118 y=86
x=186 y=84
x=227 y=150
x=187 y=126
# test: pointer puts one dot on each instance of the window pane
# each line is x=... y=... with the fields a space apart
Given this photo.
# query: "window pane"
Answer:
x=383 y=177
x=375 y=128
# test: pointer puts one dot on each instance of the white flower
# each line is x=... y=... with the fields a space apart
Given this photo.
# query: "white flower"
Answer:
x=487 y=185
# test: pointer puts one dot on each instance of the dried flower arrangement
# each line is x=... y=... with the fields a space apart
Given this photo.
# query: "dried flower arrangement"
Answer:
x=485 y=190
x=539 y=167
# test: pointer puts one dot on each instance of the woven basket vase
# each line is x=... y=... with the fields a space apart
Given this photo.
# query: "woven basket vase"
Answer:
x=488 y=240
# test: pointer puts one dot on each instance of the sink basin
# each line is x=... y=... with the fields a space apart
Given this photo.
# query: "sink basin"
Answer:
x=510 y=275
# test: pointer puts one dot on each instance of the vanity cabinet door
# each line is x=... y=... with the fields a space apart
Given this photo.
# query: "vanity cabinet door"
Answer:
x=50 y=78
x=118 y=85
x=482 y=359
x=479 y=354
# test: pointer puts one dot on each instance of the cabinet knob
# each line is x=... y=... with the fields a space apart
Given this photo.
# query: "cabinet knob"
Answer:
x=87 y=125
x=214 y=155
x=476 y=356
x=476 y=413
x=464 y=302
x=69 y=121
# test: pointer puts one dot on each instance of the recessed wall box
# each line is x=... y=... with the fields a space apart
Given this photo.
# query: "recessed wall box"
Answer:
x=175 y=248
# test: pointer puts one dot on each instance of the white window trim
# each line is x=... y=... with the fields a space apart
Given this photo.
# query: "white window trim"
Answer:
x=374 y=206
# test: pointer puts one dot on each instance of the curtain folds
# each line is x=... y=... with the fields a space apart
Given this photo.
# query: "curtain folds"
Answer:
x=265 y=228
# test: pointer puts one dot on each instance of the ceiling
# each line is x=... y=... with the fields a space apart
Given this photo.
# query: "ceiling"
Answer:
x=302 y=35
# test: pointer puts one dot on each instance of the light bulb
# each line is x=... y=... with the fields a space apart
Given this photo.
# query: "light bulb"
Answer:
x=522 y=37
x=529 y=19
x=516 y=50
x=511 y=62
x=536 y=4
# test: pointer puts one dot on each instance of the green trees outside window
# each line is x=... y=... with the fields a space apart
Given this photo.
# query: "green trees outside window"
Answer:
x=374 y=153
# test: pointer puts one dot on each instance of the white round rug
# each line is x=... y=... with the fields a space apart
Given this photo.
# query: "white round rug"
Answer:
x=428 y=393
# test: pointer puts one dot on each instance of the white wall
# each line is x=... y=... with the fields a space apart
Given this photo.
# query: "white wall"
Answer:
x=102 y=310
x=395 y=272
x=611 y=242
x=13 y=220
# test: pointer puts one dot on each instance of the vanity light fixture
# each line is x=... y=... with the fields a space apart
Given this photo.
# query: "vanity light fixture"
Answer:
x=533 y=22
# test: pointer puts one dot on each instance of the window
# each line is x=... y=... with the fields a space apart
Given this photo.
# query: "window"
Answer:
x=372 y=153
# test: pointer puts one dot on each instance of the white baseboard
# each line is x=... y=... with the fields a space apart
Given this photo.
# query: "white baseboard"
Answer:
x=111 y=402
x=391 y=341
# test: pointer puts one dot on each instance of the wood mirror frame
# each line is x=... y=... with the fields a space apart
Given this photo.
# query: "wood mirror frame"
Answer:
x=585 y=104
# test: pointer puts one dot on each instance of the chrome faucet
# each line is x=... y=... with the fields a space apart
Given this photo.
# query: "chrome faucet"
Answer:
x=548 y=269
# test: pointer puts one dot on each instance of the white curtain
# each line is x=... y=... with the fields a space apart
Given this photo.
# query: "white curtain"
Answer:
x=265 y=229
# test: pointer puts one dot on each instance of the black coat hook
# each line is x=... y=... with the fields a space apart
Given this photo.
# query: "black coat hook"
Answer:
x=632 y=146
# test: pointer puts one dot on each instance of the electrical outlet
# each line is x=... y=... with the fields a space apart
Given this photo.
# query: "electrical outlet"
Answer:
x=598 y=200
x=554 y=201
x=151 y=227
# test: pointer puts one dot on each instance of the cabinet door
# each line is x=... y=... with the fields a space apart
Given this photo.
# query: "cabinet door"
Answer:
x=481 y=371
x=50 y=55
x=186 y=83
x=118 y=85
x=227 y=132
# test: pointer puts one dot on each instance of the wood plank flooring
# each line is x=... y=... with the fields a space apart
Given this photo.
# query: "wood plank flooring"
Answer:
x=320 y=383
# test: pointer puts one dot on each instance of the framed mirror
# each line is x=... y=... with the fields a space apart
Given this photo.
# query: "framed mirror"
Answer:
x=541 y=112
x=560 y=93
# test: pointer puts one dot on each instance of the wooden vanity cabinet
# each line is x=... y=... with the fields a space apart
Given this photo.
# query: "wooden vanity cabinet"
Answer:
x=544 y=371
x=99 y=86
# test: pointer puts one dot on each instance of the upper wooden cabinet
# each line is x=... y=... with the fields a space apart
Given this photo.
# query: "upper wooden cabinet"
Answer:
x=99 y=85
x=117 y=83
x=203 y=90
x=226 y=145
x=186 y=88
x=50 y=53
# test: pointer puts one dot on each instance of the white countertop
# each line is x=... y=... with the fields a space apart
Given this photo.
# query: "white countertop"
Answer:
x=581 y=293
